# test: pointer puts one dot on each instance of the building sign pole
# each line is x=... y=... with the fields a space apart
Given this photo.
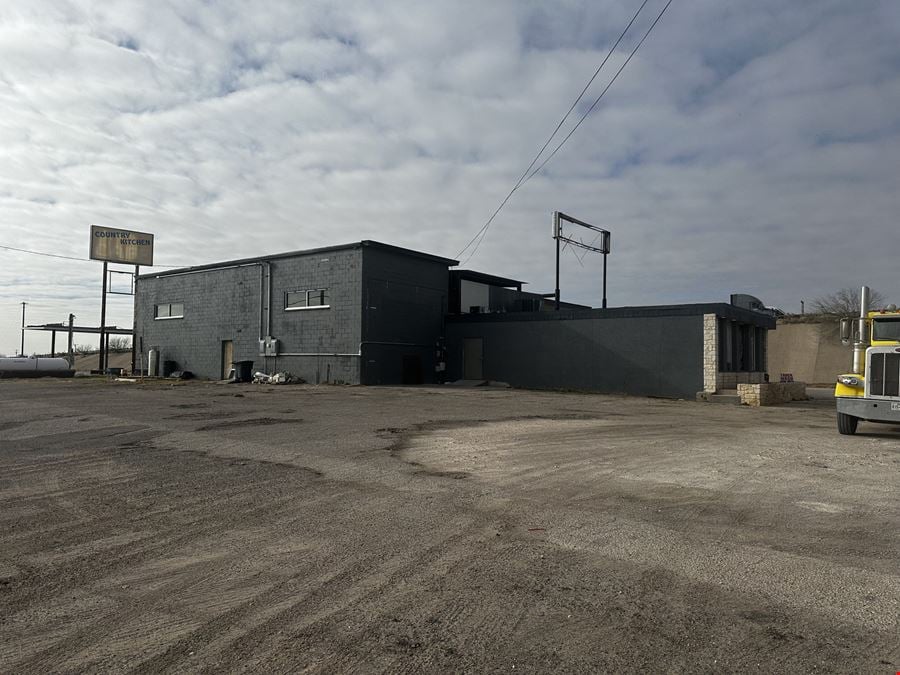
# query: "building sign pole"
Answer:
x=137 y=271
x=604 y=279
x=102 y=364
x=128 y=247
x=556 y=236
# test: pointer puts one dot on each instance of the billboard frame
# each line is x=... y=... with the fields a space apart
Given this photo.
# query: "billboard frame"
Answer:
x=118 y=245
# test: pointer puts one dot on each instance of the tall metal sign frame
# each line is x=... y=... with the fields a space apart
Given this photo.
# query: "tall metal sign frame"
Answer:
x=118 y=245
x=561 y=236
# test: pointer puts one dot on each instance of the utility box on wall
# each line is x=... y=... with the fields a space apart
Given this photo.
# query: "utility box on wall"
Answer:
x=268 y=346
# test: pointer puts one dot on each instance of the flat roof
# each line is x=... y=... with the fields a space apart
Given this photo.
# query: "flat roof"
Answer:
x=720 y=309
x=366 y=243
x=94 y=330
x=489 y=279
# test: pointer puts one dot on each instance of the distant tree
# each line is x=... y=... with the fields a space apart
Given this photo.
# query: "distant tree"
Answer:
x=84 y=349
x=119 y=343
x=845 y=302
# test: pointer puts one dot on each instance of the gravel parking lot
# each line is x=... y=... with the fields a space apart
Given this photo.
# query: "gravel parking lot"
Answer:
x=203 y=527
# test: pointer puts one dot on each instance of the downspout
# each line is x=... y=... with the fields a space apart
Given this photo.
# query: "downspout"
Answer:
x=259 y=323
x=269 y=300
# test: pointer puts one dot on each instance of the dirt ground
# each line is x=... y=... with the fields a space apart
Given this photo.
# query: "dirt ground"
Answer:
x=203 y=527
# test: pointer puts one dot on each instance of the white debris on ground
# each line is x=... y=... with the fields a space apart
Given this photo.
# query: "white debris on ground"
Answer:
x=283 y=377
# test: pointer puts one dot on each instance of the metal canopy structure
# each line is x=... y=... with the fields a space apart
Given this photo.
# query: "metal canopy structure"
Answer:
x=93 y=330
x=54 y=328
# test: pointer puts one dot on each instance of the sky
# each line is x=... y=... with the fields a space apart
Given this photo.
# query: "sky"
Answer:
x=747 y=147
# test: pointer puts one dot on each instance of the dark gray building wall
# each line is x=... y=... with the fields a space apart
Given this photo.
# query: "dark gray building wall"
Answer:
x=216 y=306
x=651 y=355
x=224 y=304
x=385 y=314
x=404 y=303
x=319 y=345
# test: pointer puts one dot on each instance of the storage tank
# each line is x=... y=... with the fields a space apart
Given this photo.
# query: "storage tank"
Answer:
x=153 y=362
x=34 y=366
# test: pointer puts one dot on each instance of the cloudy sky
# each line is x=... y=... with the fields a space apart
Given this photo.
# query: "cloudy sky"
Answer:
x=748 y=146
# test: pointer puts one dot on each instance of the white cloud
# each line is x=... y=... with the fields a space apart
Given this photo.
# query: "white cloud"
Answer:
x=747 y=147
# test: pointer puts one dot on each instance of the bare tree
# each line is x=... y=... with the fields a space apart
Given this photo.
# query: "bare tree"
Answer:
x=119 y=344
x=84 y=349
x=845 y=302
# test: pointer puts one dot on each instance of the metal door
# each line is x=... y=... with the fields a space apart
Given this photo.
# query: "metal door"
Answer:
x=227 y=357
x=473 y=355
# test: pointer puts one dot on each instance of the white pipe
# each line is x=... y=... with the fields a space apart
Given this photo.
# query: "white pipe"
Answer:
x=359 y=353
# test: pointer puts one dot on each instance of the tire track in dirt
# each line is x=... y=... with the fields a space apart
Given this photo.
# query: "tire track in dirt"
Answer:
x=171 y=533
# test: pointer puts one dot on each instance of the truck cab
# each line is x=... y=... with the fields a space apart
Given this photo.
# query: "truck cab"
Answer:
x=872 y=391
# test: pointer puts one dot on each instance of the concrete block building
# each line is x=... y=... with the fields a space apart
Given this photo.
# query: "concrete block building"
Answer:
x=370 y=313
x=361 y=313
x=672 y=351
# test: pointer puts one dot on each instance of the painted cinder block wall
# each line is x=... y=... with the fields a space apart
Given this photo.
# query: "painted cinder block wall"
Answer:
x=215 y=306
x=384 y=304
x=224 y=304
x=650 y=351
x=404 y=303
x=590 y=351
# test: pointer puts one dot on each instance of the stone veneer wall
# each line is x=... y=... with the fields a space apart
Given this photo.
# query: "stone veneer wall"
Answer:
x=771 y=393
x=713 y=379
x=732 y=380
x=710 y=352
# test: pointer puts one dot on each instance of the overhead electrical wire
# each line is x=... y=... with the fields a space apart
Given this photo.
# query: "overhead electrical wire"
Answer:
x=562 y=121
x=526 y=176
x=63 y=257
x=48 y=255
x=597 y=100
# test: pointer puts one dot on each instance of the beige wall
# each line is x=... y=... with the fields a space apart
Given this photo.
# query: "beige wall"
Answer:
x=812 y=352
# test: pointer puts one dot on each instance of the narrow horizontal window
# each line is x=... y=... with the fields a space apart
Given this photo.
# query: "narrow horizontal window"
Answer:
x=314 y=298
x=169 y=310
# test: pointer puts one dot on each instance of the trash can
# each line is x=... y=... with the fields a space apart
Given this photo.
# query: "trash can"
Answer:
x=114 y=372
x=243 y=371
x=169 y=367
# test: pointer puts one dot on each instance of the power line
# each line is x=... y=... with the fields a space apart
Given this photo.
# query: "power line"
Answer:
x=597 y=100
x=482 y=233
x=562 y=121
x=49 y=255
x=63 y=257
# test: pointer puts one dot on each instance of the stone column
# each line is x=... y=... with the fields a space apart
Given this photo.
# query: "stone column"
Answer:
x=710 y=352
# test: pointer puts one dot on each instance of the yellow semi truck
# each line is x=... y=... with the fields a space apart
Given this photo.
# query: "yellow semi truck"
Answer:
x=872 y=391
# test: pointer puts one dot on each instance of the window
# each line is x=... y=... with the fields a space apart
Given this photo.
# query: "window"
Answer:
x=311 y=299
x=886 y=329
x=170 y=310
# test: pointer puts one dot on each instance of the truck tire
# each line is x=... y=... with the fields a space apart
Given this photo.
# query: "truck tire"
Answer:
x=847 y=424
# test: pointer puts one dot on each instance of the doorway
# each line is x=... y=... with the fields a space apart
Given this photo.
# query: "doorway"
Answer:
x=227 y=357
x=412 y=369
x=473 y=357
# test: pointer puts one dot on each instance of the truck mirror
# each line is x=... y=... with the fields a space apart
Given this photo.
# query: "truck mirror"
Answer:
x=846 y=331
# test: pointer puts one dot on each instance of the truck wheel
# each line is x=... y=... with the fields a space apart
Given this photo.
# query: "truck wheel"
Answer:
x=847 y=424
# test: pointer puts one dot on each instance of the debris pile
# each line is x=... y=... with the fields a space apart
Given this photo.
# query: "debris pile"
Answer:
x=282 y=377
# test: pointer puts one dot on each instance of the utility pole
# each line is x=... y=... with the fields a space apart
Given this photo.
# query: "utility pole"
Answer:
x=22 y=349
x=71 y=357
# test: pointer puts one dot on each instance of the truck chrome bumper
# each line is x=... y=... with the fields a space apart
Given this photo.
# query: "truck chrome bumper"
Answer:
x=871 y=410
